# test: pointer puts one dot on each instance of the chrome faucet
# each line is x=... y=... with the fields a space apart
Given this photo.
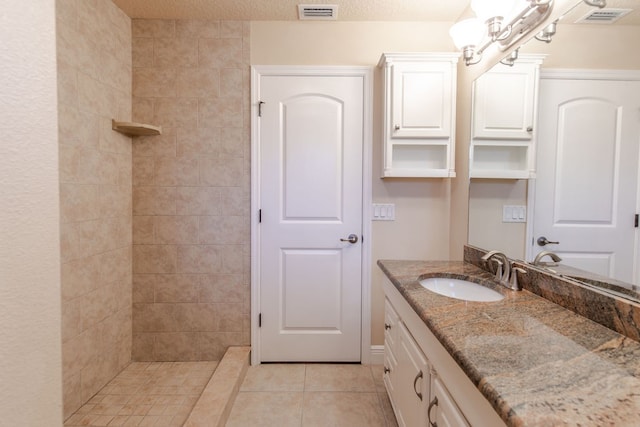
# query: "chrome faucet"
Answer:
x=503 y=268
x=556 y=259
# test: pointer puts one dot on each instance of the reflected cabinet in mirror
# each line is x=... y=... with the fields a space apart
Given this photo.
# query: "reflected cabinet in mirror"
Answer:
x=570 y=183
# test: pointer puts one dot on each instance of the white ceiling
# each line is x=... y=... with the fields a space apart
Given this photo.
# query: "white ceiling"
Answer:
x=348 y=10
x=276 y=10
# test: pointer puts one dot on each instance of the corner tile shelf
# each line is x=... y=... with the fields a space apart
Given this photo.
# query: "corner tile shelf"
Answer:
x=135 y=129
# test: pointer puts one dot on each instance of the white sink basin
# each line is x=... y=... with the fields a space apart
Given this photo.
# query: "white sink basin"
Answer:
x=461 y=289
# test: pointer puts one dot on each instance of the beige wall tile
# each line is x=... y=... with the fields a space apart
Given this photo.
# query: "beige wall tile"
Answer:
x=229 y=317
x=114 y=200
x=198 y=83
x=174 y=171
x=154 y=259
x=233 y=142
x=214 y=344
x=143 y=288
x=71 y=319
x=143 y=112
x=77 y=127
x=197 y=29
x=161 y=145
x=220 y=53
x=154 y=201
x=71 y=394
x=178 y=112
x=199 y=141
x=143 y=170
x=231 y=29
x=221 y=112
x=155 y=82
x=143 y=230
x=221 y=288
x=175 y=52
x=177 y=288
x=234 y=260
x=221 y=172
x=153 y=28
x=234 y=202
x=220 y=230
x=67 y=84
x=78 y=202
x=199 y=200
x=142 y=52
x=176 y=346
x=199 y=258
x=176 y=230
x=231 y=83
x=142 y=348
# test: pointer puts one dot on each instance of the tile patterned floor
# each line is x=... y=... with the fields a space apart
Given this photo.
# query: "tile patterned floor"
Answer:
x=147 y=394
x=307 y=395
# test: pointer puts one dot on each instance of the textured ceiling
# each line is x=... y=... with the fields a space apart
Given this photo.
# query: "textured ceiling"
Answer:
x=348 y=10
x=260 y=10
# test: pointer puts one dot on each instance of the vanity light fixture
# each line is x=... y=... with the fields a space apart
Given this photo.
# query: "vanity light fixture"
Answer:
x=596 y=3
x=503 y=22
x=547 y=33
x=511 y=59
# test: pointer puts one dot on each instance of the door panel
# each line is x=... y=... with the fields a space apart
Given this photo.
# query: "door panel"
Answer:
x=586 y=186
x=311 y=147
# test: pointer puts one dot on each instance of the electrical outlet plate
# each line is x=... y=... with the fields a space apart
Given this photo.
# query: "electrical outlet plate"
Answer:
x=511 y=213
x=384 y=212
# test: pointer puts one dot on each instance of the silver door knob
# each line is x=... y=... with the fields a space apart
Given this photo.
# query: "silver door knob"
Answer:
x=351 y=239
x=543 y=241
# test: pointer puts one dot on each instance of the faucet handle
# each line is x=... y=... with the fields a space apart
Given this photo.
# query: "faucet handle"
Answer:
x=499 y=268
x=513 y=280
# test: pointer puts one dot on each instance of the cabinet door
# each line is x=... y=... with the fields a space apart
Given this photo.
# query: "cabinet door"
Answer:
x=412 y=381
x=504 y=103
x=391 y=321
x=442 y=410
x=421 y=100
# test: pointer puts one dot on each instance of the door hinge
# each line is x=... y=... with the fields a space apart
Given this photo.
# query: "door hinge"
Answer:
x=260 y=108
x=259 y=215
x=260 y=320
x=635 y=222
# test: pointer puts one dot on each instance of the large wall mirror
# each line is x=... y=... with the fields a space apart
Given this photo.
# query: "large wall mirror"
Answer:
x=583 y=187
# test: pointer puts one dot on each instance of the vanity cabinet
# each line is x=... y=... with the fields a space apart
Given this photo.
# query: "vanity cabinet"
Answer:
x=419 y=114
x=425 y=385
x=505 y=101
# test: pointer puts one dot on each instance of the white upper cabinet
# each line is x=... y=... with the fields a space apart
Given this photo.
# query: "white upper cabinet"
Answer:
x=505 y=102
x=419 y=114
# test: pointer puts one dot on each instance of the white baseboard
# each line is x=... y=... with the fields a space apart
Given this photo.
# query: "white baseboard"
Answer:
x=377 y=355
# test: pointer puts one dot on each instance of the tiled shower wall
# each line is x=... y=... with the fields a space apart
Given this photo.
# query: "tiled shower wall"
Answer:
x=94 y=86
x=191 y=240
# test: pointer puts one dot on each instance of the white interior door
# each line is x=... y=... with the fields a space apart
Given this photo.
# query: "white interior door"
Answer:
x=587 y=173
x=311 y=195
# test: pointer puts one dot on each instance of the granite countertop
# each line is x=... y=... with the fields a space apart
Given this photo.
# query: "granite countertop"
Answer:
x=537 y=363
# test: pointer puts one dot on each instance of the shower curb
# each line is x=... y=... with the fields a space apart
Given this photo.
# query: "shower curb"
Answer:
x=214 y=405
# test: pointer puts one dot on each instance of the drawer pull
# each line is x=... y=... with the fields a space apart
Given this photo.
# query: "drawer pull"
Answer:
x=386 y=370
x=415 y=380
x=433 y=403
x=387 y=326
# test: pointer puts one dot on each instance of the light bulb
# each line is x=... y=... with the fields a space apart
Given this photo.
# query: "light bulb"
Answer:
x=468 y=32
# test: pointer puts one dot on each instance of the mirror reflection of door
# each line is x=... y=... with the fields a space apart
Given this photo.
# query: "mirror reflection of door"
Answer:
x=587 y=174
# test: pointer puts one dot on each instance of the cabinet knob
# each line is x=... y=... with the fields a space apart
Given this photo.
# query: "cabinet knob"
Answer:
x=397 y=127
x=387 y=326
x=530 y=129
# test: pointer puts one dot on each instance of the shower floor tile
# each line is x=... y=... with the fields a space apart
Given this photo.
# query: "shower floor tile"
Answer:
x=146 y=394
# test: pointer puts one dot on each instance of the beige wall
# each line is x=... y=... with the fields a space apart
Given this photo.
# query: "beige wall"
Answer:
x=191 y=239
x=94 y=86
x=30 y=354
x=421 y=228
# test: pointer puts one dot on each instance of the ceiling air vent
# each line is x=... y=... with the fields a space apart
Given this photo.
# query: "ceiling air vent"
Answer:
x=603 y=16
x=318 y=11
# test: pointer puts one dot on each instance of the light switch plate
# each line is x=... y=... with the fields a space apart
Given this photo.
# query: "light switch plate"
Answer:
x=511 y=213
x=384 y=212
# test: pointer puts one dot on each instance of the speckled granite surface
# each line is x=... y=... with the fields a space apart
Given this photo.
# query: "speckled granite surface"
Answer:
x=536 y=362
